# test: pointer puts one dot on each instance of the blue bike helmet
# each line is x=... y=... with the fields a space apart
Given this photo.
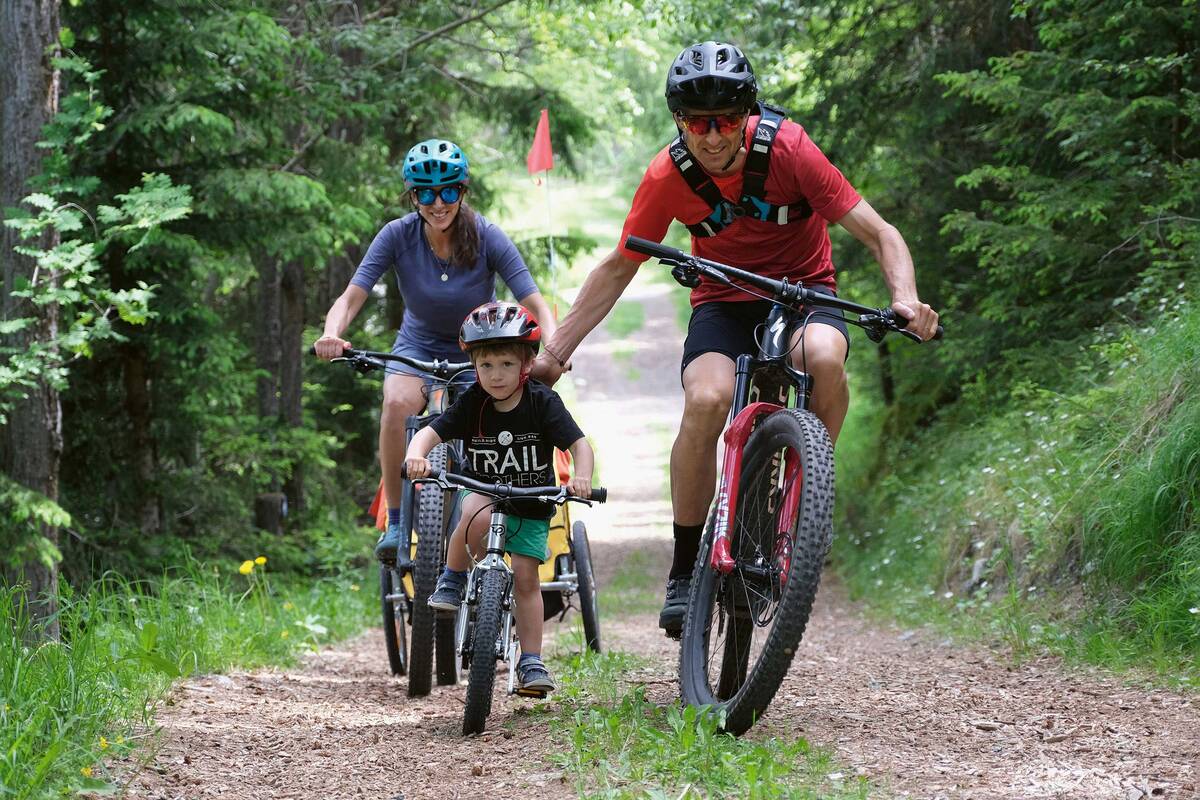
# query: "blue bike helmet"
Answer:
x=435 y=162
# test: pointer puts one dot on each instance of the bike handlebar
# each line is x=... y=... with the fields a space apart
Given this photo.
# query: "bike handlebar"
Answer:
x=877 y=321
x=368 y=360
x=502 y=491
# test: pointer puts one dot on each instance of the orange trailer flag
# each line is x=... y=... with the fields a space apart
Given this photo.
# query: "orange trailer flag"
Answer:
x=541 y=156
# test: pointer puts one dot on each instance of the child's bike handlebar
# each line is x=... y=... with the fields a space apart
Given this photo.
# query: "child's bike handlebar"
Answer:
x=503 y=491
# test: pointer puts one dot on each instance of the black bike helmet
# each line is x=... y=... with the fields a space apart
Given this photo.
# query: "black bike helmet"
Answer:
x=499 y=323
x=710 y=76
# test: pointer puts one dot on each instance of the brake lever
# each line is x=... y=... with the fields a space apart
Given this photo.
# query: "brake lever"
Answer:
x=686 y=275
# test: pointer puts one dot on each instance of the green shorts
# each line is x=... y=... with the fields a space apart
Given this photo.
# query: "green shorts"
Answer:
x=525 y=537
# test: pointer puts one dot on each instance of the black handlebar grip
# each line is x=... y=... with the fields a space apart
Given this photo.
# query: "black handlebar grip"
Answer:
x=404 y=471
x=938 y=333
x=599 y=495
x=653 y=249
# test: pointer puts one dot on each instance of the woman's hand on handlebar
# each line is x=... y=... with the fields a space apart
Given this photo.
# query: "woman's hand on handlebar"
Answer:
x=328 y=347
x=417 y=467
x=922 y=319
x=580 y=487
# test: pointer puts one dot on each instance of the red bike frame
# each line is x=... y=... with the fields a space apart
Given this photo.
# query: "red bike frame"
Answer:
x=736 y=436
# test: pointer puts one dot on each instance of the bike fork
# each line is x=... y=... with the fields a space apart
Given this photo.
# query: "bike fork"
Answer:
x=721 y=559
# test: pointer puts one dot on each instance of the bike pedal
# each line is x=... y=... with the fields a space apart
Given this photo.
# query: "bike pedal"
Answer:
x=675 y=635
x=537 y=693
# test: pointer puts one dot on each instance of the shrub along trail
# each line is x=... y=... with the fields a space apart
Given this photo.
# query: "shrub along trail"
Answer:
x=915 y=715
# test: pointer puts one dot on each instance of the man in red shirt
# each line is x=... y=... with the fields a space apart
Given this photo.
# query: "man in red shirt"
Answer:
x=777 y=227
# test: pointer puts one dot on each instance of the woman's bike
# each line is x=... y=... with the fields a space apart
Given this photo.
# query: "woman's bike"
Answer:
x=426 y=520
x=484 y=629
x=771 y=526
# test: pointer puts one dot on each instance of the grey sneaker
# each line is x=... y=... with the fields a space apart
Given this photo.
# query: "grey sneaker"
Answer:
x=534 y=676
x=388 y=544
x=448 y=594
x=670 y=619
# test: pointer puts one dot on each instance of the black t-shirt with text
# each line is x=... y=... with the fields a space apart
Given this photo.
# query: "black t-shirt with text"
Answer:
x=513 y=447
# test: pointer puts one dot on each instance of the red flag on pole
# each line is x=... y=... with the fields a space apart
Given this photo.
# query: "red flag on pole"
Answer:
x=541 y=156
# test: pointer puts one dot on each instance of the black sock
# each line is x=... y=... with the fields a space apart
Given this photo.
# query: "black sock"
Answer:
x=687 y=544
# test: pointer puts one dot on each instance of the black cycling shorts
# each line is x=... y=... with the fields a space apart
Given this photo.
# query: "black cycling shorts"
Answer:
x=729 y=328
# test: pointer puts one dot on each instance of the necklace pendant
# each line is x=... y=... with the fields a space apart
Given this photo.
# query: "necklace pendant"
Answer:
x=445 y=277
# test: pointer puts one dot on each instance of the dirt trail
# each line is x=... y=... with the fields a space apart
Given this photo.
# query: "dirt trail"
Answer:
x=918 y=716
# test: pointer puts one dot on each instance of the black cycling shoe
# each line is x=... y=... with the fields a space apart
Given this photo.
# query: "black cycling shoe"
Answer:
x=670 y=619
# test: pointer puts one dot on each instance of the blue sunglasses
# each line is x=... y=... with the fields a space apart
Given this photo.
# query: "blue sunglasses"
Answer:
x=450 y=195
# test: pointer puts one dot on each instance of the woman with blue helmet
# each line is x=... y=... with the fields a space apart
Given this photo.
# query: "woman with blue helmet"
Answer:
x=445 y=258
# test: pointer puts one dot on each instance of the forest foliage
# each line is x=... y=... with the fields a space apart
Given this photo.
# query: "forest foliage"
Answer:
x=216 y=172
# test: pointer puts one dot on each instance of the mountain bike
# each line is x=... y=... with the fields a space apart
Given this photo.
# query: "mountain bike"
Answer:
x=404 y=585
x=771 y=525
x=484 y=629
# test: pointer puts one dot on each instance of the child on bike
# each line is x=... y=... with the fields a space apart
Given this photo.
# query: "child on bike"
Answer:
x=510 y=427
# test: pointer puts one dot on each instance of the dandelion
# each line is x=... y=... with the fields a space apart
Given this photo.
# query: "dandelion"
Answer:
x=283 y=634
x=260 y=560
x=354 y=587
x=85 y=772
x=103 y=743
x=120 y=740
x=288 y=606
x=246 y=568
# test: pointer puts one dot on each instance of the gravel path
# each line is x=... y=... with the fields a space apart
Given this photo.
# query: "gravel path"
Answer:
x=919 y=716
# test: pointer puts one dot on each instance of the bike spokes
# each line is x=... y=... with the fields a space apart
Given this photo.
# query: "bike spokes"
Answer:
x=747 y=600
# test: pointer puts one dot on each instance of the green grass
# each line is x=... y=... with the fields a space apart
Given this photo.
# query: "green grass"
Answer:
x=1080 y=510
x=68 y=705
x=634 y=588
x=623 y=744
x=626 y=317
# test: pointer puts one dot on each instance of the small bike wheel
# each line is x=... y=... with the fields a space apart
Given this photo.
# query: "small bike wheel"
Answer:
x=395 y=634
x=485 y=649
x=588 y=606
x=742 y=629
x=431 y=534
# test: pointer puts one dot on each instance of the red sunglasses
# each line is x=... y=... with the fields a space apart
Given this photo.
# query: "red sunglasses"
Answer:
x=700 y=124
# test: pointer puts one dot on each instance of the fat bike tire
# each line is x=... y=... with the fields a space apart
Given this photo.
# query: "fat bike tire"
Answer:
x=589 y=607
x=742 y=629
x=431 y=534
x=485 y=634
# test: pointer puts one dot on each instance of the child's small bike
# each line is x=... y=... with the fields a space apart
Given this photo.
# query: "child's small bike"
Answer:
x=484 y=630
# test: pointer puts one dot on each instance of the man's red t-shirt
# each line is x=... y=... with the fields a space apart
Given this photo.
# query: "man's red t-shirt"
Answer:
x=797 y=251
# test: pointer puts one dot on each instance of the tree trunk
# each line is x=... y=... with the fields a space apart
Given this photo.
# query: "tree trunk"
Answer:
x=31 y=443
x=145 y=455
x=291 y=373
x=266 y=505
x=887 y=382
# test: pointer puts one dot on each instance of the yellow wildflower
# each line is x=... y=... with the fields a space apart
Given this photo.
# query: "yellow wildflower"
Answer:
x=283 y=634
x=354 y=587
x=246 y=568
x=288 y=606
x=103 y=743
x=120 y=740
x=85 y=772
x=260 y=560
